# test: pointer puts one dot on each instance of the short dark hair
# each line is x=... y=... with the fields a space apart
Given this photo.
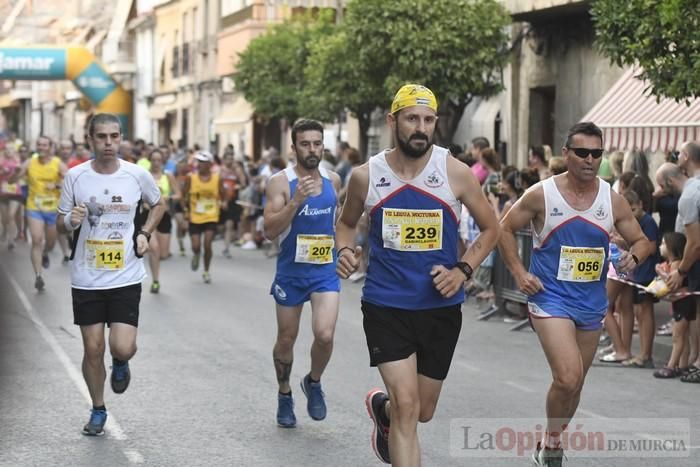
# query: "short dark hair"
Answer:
x=455 y=149
x=155 y=150
x=693 y=150
x=529 y=176
x=584 y=128
x=538 y=151
x=632 y=197
x=101 y=119
x=675 y=243
x=305 y=124
x=481 y=142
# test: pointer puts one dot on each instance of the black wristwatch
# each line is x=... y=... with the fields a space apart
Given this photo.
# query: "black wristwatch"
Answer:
x=145 y=234
x=466 y=269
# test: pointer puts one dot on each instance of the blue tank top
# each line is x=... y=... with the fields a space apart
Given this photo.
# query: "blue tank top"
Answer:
x=570 y=253
x=307 y=246
x=413 y=225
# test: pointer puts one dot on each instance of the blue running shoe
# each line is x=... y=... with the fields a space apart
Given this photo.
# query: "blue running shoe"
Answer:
x=316 y=404
x=285 y=411
x=121 y=376
x=95 y=426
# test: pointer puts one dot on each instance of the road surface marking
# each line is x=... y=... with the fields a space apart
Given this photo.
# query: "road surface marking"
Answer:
x=115 y=430
x=519 y=387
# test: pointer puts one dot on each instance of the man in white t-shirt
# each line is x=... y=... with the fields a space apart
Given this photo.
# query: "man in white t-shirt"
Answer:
x=99 y=202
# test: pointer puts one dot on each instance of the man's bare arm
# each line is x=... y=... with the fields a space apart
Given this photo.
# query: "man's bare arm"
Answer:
x=691 y=254
x=278 y=213
x=480 y=209
x=523 y=212
x=345 y=229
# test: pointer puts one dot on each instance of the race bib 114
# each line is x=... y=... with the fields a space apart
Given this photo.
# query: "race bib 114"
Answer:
x=104 y=254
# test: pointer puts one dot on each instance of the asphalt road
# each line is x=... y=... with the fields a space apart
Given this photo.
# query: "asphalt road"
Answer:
x=203 y=390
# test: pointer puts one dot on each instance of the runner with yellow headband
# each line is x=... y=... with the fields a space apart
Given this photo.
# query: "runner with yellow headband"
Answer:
x=412 y=195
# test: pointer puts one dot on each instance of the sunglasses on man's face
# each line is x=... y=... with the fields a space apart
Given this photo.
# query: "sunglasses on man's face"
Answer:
x=584 y=152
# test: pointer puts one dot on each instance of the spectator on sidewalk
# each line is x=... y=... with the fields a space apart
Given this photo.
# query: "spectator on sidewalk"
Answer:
x=683 y=307
x=557 y=165
x=477 y=147
x=643 y=301
x=536 y=160
x=687 y=222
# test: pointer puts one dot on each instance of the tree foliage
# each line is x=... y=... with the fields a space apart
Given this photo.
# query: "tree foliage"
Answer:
x=337 y=81
x=663 y=37
x=455 y=47
x=270 y=71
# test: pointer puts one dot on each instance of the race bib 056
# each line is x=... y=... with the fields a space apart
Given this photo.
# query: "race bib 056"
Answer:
x=577 y=264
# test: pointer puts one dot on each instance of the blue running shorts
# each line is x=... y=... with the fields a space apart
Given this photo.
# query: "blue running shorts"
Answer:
x=293 y=291
x=584 y=321
x=48 y=217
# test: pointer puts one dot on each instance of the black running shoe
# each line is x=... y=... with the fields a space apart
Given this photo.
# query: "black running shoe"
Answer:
x=374 y=402
x=39 y=283
x=45 y=262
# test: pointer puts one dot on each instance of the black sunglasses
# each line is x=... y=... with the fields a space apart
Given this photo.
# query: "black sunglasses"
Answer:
x=584 y=152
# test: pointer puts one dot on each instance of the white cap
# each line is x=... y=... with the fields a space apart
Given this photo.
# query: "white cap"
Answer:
x=204 y=156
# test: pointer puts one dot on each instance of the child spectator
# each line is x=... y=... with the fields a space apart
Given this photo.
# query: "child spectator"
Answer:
x=643 y=274
x=683 y=307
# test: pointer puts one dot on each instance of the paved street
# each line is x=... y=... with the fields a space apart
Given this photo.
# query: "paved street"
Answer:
x=203 y=390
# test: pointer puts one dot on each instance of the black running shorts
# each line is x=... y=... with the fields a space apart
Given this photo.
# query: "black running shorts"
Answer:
x=395 y=334
x=197 y=229
x=120 y=305
x=684 y=309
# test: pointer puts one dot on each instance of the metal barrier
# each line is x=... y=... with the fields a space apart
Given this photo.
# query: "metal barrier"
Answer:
x=504 y=285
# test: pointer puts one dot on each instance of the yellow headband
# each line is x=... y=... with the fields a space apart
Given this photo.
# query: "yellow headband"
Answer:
x=413 y=94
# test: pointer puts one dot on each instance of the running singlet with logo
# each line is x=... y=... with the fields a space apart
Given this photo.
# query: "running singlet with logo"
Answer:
x=414 y=225
x=570 y=254
x=307 y=246
x=44 y=184
x=204 y=199
x=7 y=169
x=230 y=182
x=104 y=255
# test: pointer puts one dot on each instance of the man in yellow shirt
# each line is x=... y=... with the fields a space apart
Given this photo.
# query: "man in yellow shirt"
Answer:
x=204 y=195
x=44 y=174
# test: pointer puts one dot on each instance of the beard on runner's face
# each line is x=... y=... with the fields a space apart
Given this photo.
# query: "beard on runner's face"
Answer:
x=309 y=162
x=412 y=151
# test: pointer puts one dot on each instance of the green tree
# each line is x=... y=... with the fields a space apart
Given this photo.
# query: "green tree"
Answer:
x=336 y=80
x=456 y=47
x=270 y=71
x=663 y=37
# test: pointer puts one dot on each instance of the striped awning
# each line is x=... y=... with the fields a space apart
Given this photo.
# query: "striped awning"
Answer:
x=633 y=119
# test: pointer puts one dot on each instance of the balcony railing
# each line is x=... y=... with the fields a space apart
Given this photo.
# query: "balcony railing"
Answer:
x=238 y=16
